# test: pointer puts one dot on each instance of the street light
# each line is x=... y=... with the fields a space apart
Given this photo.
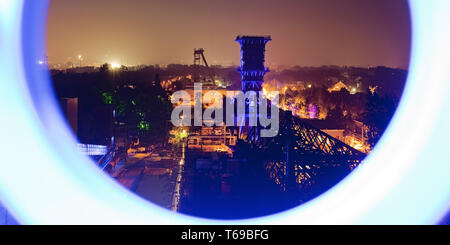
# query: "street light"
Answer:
x=80 y=58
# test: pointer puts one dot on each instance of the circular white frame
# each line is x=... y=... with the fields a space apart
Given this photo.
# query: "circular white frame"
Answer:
x=42 y=181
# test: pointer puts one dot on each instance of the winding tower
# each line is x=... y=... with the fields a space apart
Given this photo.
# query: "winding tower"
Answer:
x=252 y=67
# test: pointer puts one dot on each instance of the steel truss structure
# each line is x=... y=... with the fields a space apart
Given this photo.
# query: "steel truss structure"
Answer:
x=302 y=155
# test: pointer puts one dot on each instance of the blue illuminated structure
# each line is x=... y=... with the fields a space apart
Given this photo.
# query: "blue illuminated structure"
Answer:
x=44 y=181
x=252 y=66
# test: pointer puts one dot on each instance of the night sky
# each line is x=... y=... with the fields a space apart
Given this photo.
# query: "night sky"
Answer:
x=304 y=32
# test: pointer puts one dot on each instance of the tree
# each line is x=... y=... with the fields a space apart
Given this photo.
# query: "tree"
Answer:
x=379 y=111
x=104 y=68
